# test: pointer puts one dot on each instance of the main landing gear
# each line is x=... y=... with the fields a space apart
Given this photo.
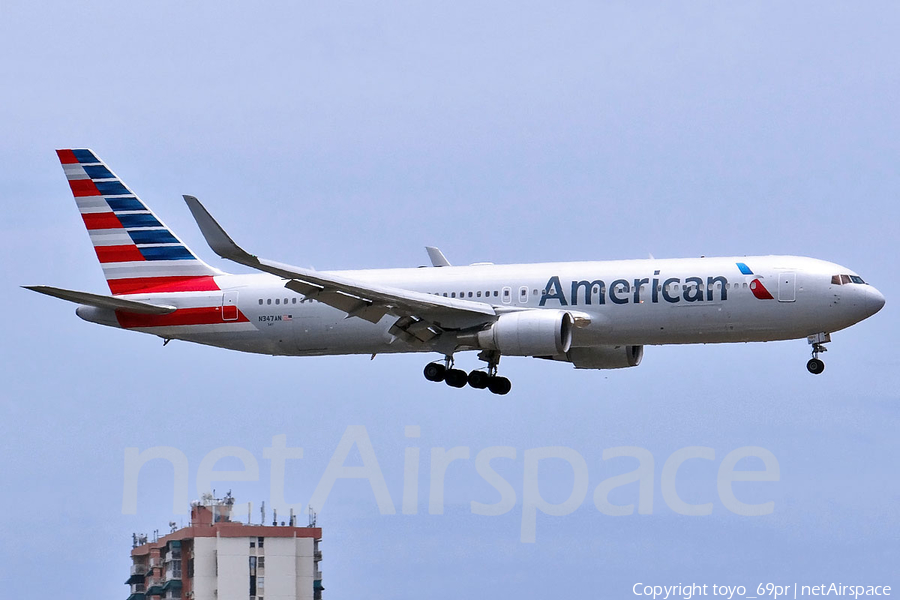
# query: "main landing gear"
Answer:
x=818 y=341
x=477 y=379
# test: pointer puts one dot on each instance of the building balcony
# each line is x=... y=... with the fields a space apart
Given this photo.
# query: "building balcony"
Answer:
x=155 y=590
x=139 y=569
x=317 y=555
x=136 y=596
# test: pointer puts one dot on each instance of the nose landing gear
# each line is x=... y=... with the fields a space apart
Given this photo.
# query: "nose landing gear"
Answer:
x=815 y=366
x=477 y=379
x=818 y=341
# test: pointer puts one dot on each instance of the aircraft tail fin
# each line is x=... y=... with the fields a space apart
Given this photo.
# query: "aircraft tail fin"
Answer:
x=138 y=253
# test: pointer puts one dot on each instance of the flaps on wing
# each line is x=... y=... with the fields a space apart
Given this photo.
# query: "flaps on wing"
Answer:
x=354 y=306
x=414 y=330
x=110 y=302
x=361 y=299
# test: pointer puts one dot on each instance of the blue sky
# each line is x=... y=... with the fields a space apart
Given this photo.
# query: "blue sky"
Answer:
x=352 y=135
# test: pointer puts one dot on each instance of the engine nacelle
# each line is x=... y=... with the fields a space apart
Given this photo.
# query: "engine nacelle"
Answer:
x=526 y=333
x=605 y=357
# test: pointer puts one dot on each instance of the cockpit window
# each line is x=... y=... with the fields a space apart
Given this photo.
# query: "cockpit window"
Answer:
x=845 y=279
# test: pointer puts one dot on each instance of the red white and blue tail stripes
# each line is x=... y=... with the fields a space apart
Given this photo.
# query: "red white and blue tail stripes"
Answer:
x=138 y=253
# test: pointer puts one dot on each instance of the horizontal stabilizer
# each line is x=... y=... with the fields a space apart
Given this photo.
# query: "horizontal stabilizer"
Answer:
x=86 y=299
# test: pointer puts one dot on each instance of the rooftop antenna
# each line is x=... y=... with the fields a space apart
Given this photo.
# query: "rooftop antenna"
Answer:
x=291 y=520
x=312 y=517
x=274 y=517
x=262 y=512
x=172 y=526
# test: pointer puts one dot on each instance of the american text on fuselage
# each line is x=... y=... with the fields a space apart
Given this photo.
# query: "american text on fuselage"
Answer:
x=623 y=291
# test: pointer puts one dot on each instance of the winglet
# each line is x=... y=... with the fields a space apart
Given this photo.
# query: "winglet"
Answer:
x=220 y=242
x=437 y=257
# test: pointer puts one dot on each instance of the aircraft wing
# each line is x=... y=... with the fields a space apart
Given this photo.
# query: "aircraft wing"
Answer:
x=418 y=312
x=87 y=299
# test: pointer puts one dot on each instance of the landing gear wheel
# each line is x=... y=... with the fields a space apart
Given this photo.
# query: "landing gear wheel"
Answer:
x=499 y=385
x=435 y=371
x=815 y=366
x=456 y=378
x=479 y=379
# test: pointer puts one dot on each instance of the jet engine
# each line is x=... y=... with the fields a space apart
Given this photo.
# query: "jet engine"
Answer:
x=604 y=357
x=525 y=333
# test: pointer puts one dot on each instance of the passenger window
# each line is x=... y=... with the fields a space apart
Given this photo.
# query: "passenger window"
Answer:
x=260 y=301
x=495 y=293
x=269 y=301
x=445 y=294
x=470 y=294
x=478 y=294
x=293 y=301
x=453 y=294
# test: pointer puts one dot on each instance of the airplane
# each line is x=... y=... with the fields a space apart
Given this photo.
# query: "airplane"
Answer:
x=593 y=315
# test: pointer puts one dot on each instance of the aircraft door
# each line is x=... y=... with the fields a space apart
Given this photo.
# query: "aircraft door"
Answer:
x=229 y=306
x=787 y=287
x=523 y=295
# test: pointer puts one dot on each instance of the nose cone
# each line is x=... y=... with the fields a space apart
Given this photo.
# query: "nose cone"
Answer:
x=874 y=300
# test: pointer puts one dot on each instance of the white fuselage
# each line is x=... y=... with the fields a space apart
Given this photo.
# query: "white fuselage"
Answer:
x=630 y=302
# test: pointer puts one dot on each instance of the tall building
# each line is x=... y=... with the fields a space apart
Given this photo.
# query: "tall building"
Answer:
x=216 y=558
